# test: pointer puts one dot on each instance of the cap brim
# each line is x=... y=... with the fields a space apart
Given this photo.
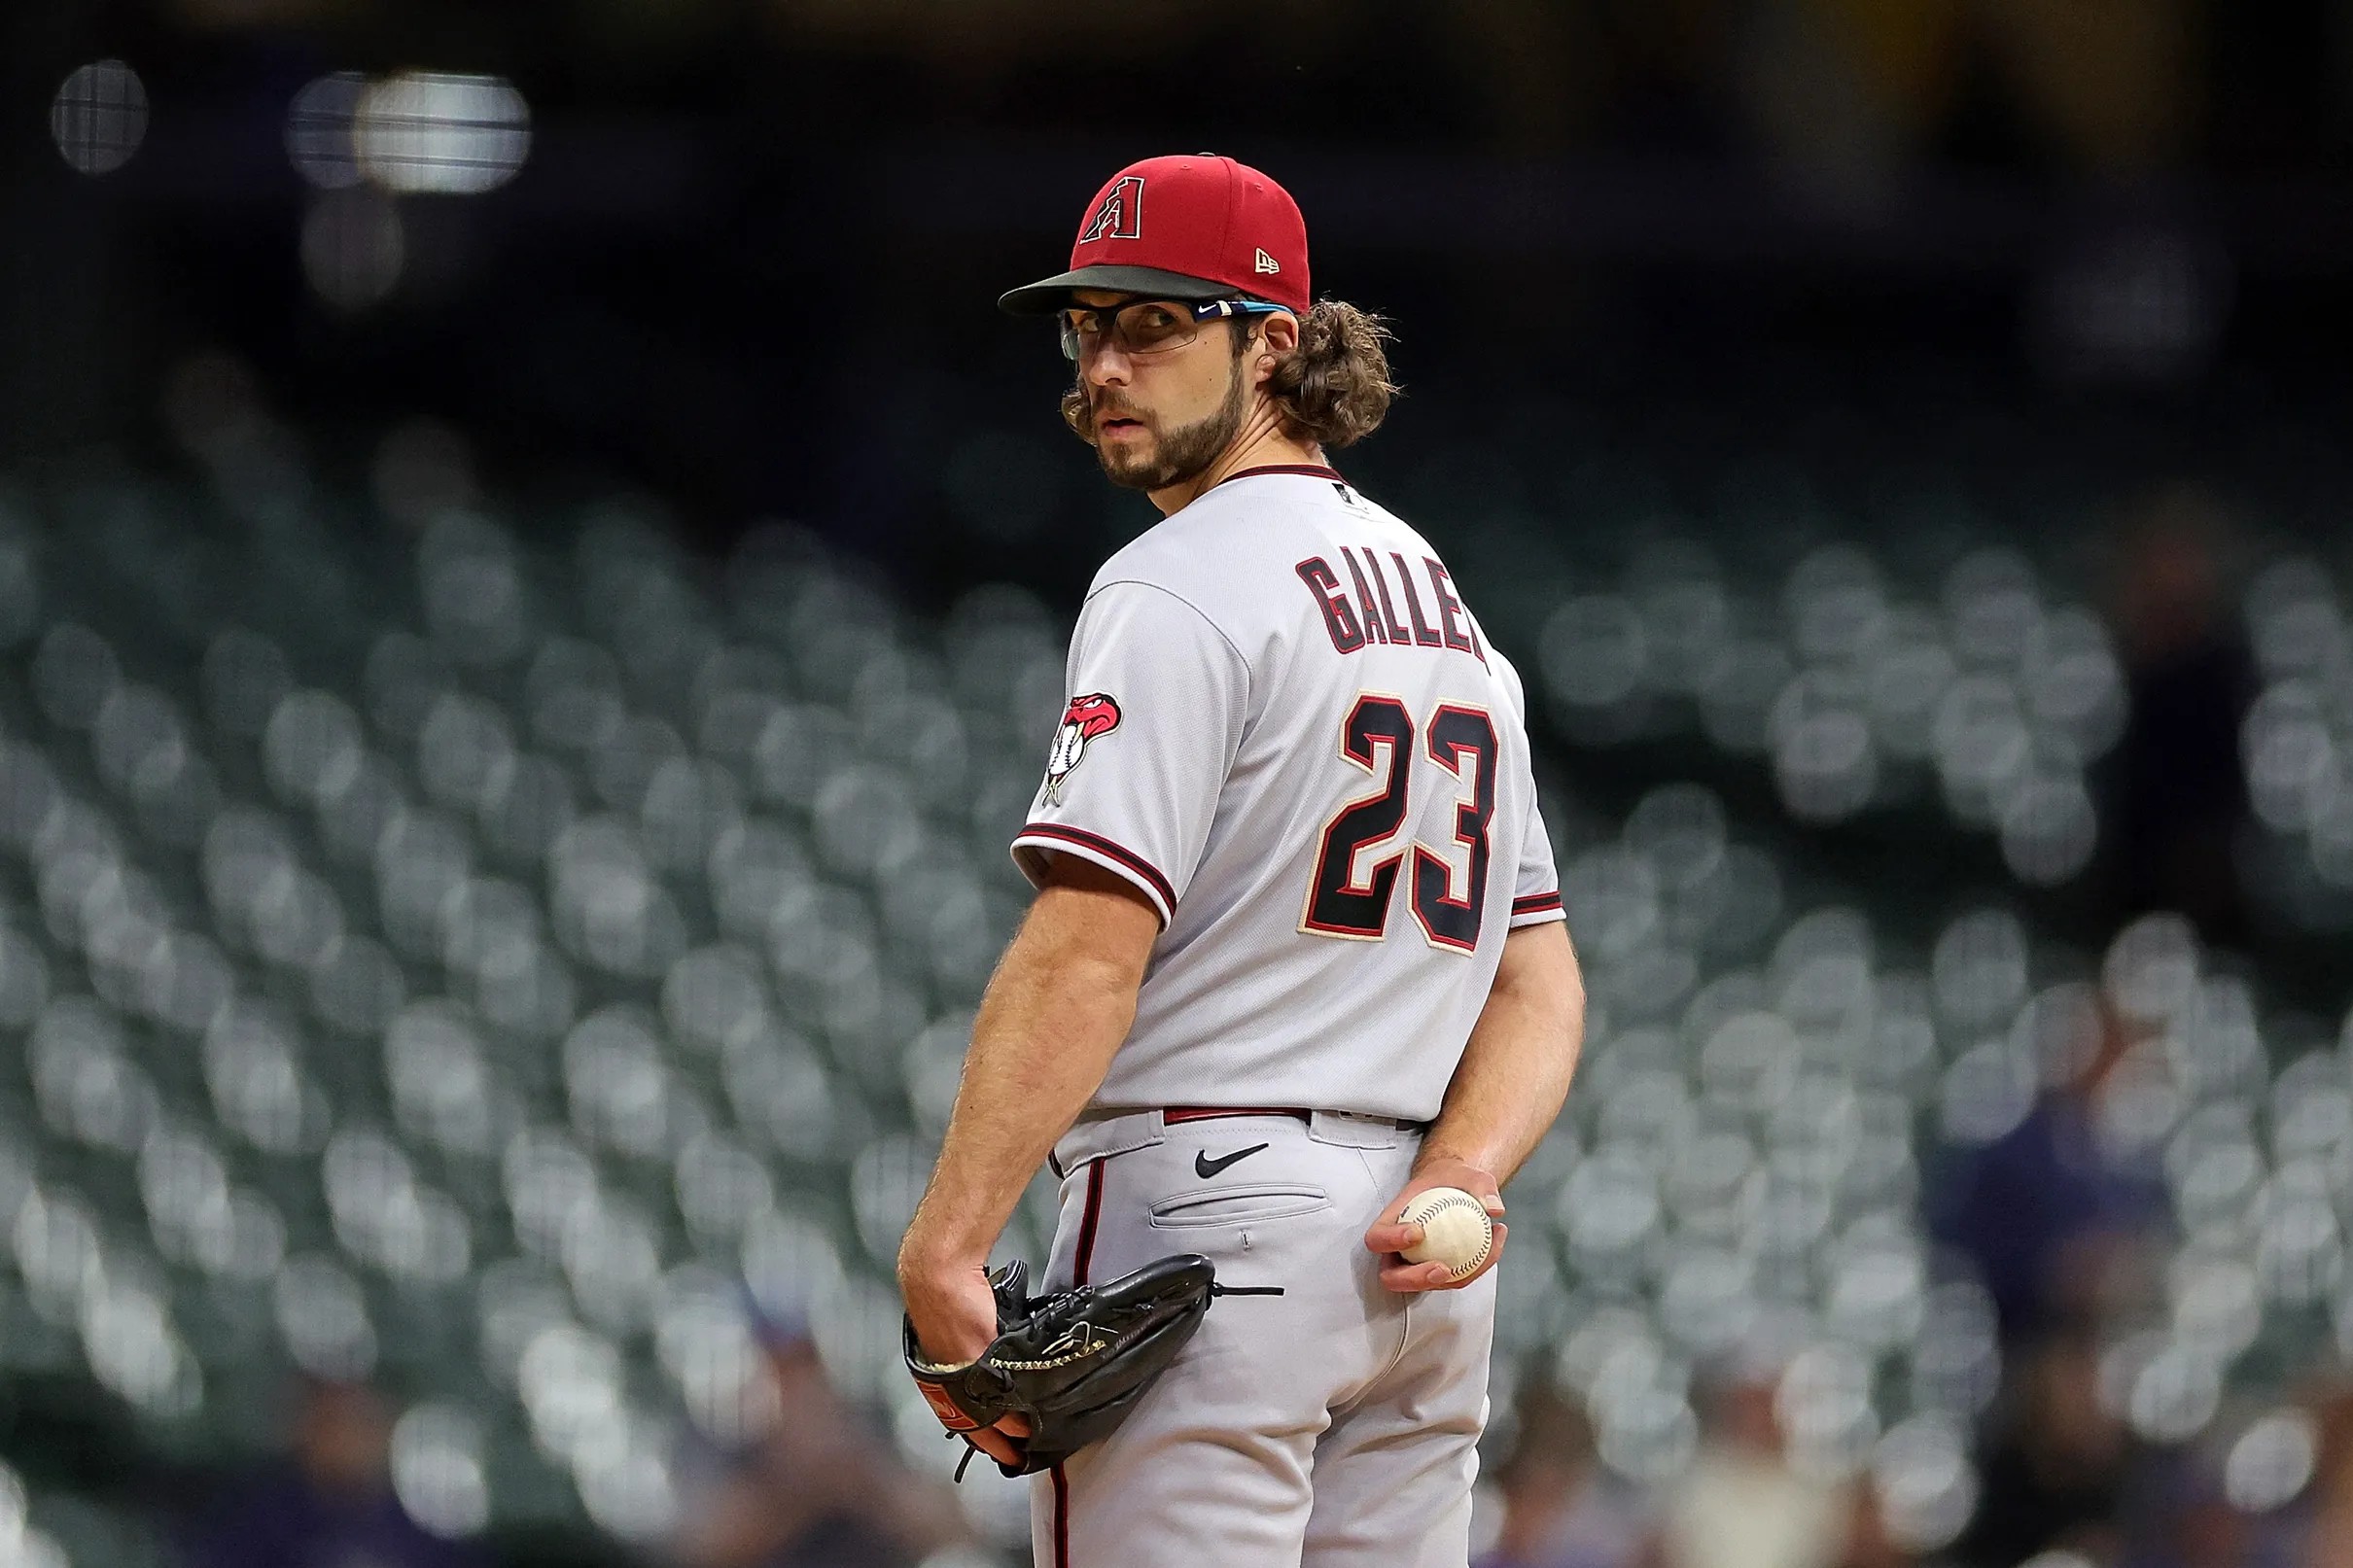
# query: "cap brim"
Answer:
x=1049 y=294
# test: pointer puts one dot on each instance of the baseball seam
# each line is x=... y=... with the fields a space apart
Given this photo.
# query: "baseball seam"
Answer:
x=1487 y=1226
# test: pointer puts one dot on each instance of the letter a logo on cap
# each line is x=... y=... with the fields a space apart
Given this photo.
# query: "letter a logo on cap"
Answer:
x=1266 y=263
x=1121 y=215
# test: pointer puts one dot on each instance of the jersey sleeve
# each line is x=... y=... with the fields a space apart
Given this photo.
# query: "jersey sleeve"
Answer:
x=1537 y=887
x=1537 y=882
x=1148 y=731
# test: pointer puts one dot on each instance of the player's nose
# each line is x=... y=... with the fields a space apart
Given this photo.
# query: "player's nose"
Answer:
x=1106 y=365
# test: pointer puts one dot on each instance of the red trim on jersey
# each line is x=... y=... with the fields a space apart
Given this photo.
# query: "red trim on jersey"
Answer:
x=1536 y=904
x=1313 y=471
x=1120 y=853
x=1079 y=1270
x=1086 y=1224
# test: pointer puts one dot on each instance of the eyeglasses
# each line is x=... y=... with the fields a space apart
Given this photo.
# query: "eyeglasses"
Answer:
x=1147 y=326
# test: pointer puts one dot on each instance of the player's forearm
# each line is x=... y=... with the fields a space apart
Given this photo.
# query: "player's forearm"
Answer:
x=1516 y=1070
x=1041 y=1045
x=1054 y=1015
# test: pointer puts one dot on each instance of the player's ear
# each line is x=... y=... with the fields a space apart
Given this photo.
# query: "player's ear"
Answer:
x=1281 y=333
x=1277 y=339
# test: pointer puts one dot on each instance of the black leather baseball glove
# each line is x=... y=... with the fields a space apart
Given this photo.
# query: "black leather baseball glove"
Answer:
x=1074 y=1364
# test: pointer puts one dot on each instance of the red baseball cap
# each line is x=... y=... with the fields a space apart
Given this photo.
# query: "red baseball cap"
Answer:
x=1199 y=227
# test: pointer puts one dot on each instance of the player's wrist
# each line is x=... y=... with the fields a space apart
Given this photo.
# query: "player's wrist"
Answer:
x=1455 y=1165
x=920 y=1271
x=929 y=1254
x=1433 y=1154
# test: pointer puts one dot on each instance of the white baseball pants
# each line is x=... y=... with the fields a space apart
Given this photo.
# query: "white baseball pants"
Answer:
x=1331 y=1426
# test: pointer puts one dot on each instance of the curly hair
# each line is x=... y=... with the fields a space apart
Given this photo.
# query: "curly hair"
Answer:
x=1334 y=389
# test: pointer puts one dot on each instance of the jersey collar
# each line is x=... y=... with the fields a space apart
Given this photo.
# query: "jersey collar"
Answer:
x=1312 y=471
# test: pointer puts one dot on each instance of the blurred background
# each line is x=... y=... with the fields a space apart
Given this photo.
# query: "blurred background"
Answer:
x=532 y=591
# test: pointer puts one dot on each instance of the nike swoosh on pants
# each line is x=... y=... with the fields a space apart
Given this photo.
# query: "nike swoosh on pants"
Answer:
x=1205 y=1167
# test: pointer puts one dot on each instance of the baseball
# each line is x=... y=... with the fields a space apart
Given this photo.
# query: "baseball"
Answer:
x=1454 y=1230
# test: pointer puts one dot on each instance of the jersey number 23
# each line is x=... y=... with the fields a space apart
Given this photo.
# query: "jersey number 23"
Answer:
x=1347 y=900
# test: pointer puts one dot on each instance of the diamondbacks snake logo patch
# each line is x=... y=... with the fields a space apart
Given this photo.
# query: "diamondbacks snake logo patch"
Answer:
x=1086 y=718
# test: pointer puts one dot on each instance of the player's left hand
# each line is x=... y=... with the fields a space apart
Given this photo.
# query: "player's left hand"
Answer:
x=955 y=1316
x=1388 y=1237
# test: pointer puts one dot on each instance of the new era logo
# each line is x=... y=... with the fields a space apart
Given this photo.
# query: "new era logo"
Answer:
x=1266 y=263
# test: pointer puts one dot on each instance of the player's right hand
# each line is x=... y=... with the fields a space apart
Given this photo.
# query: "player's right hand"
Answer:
x=1389 y=1238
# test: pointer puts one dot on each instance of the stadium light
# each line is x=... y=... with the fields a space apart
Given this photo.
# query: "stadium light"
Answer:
x=319 y=128
x=99 y=116
x=429 y=131
x=420 y=132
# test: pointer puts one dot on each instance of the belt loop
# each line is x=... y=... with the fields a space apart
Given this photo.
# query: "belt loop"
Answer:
x=1350 y=1131
x=1107 y=1135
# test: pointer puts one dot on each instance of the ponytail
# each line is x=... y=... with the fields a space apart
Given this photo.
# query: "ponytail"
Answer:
x=1334 y=388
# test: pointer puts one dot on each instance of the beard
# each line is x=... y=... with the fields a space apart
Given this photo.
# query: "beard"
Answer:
x=1174 y=455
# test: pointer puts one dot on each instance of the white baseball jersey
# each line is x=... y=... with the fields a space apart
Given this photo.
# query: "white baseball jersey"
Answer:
x=1286 y=728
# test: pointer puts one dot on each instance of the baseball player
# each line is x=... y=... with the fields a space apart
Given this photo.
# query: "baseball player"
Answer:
x=1297 y=952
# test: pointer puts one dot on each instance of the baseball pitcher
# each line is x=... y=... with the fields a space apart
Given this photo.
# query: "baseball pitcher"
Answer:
x=1296 y=957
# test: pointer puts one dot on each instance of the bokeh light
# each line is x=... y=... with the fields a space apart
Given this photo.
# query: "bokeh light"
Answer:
x=353 y=247
x=319 y=131
x=440 y=132
x=98 y=117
